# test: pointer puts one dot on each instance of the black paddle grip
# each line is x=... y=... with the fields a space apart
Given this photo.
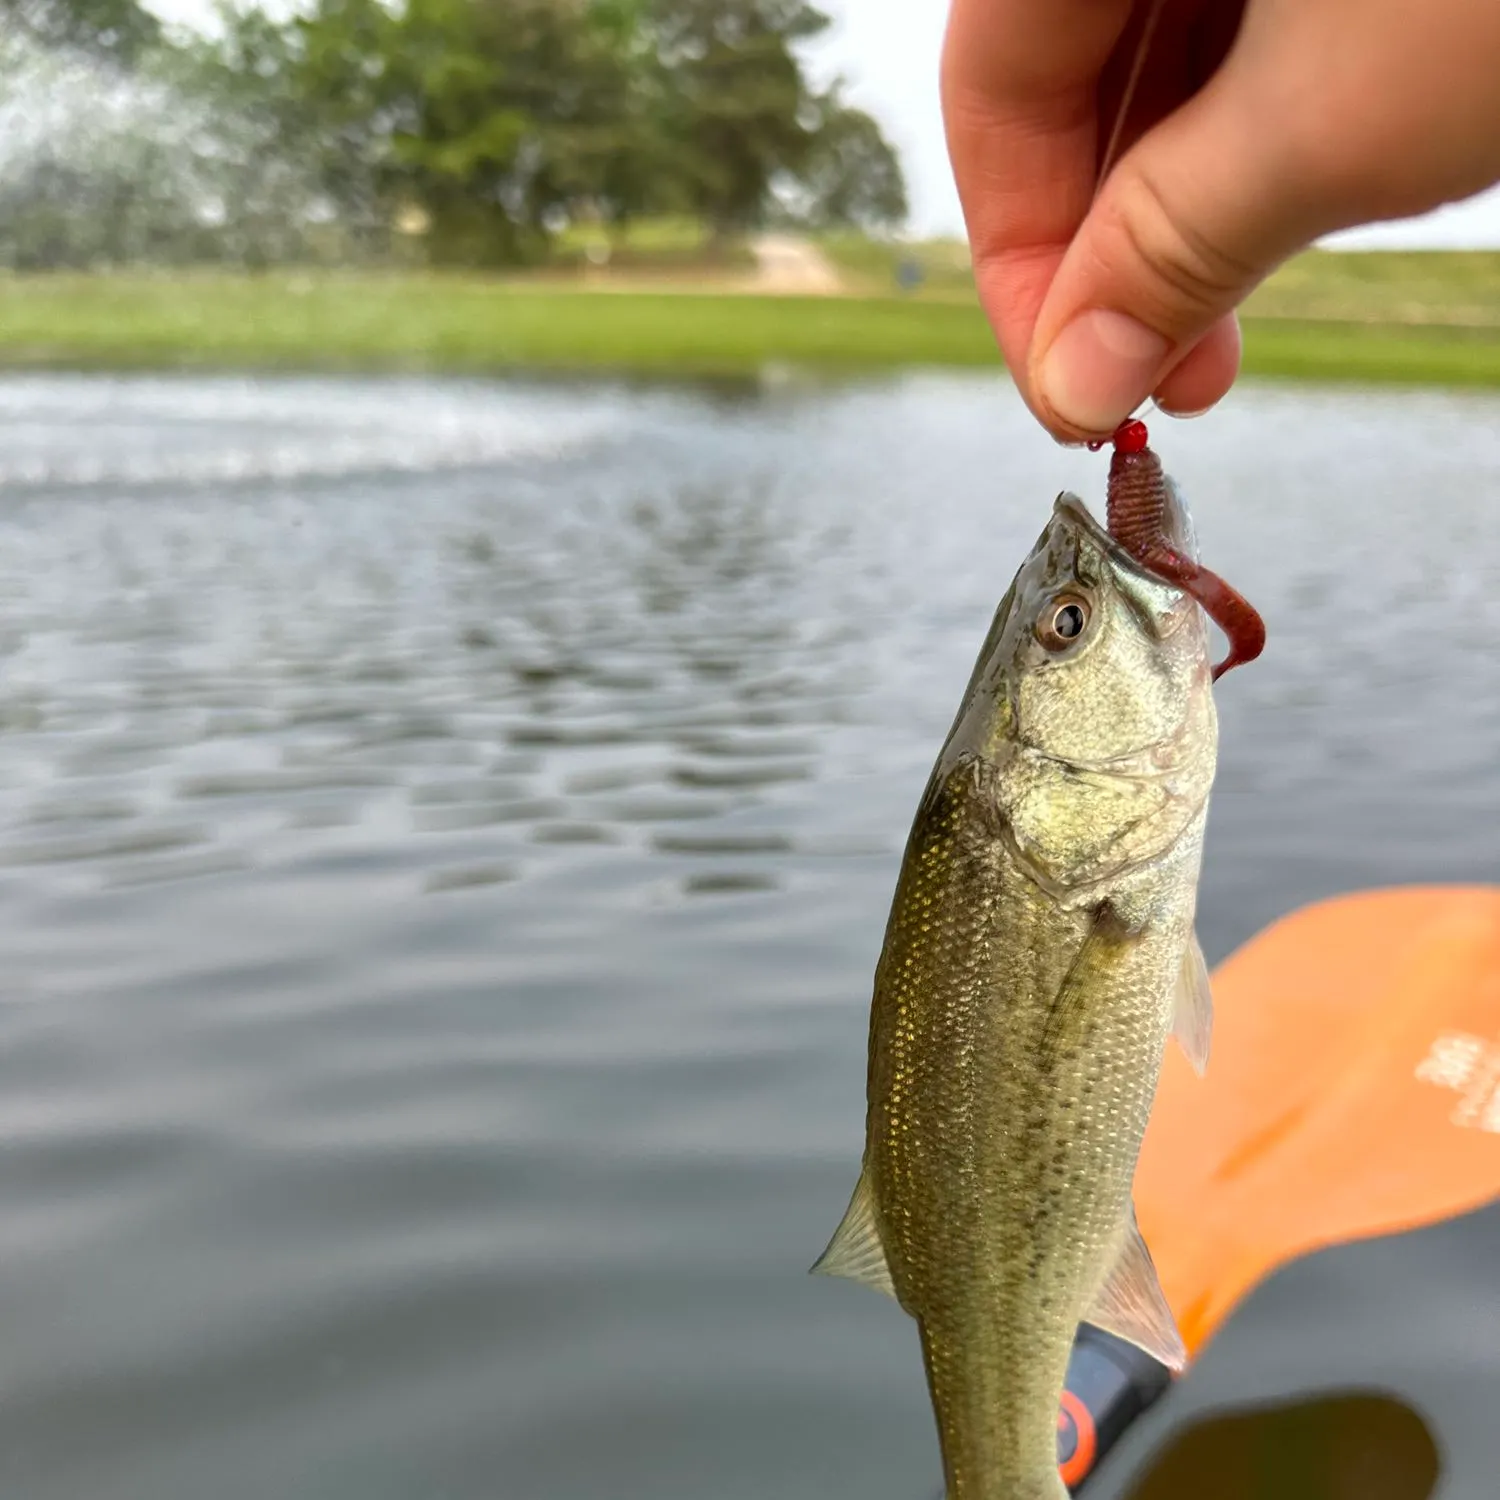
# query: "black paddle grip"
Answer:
x=1110 y=1383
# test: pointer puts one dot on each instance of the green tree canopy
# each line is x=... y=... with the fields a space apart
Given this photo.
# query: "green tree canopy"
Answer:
x=851 y=176
x=740 y=111
x=503 y=120
x=111 y=28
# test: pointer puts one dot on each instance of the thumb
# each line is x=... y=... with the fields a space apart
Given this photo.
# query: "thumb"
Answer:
x=1192 y=218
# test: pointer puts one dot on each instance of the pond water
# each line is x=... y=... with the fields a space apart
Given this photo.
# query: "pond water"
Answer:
x=446 y=831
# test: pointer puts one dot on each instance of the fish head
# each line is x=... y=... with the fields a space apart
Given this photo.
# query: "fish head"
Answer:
x=1091 y=708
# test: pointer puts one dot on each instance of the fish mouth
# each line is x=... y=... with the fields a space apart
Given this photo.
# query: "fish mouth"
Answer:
x=1073 y=511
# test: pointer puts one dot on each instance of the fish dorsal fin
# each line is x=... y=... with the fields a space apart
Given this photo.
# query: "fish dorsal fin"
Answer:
x=1193 y=1014
x=1130 y=1304
x=855 y=1250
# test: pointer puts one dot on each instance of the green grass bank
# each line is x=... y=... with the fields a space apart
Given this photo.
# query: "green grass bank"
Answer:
x=1418 y=319
x=463 y=323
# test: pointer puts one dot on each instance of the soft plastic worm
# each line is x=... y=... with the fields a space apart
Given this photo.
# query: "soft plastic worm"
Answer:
x=1137 y=510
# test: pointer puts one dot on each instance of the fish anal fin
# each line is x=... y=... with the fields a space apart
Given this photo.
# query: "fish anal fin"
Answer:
x=855 y=1251
x=1130 y=1304
x=1193 y=1007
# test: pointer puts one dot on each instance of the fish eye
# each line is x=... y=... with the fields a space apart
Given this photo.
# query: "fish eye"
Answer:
x=1062 y=621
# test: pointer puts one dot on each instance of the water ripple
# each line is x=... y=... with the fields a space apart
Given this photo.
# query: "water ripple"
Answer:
x=447 y=829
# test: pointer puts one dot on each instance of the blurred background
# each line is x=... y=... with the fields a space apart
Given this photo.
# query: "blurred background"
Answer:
x=498 y=502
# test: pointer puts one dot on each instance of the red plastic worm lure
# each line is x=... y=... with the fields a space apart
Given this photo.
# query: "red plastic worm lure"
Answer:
x=1136 y=512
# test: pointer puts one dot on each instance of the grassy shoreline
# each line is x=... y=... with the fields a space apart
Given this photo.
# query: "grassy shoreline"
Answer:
x=472 y=324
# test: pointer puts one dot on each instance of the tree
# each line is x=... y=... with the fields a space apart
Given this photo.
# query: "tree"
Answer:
x=118 y=29
x=852 y=176
x=500 y=118
x=740 y=111
x=101 y=165
x=325 y=87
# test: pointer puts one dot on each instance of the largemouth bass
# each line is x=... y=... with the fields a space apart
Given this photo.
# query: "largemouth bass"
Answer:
x=1039 y=953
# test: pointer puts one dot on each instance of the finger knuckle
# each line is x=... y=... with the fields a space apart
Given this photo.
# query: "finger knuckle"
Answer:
x=1197 y=272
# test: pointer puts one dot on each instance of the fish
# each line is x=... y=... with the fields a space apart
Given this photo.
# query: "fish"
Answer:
x=1040 y=952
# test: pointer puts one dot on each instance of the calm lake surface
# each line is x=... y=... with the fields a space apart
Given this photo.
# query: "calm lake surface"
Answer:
x=446 y=831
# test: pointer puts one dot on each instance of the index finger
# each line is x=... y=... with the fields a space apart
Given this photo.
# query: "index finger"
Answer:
x=1020 y=81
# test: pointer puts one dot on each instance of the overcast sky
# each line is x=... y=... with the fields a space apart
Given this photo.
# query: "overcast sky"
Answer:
x=889 y=48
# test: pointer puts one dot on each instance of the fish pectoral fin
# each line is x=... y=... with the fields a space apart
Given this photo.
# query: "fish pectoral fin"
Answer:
x=1106 y=944
x=1130 y=1304
x=1193 y=1015
x=855 y=1250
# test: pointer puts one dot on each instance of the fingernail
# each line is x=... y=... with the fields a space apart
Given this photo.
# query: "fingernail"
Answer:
x=1100 y=368
x=1180 y=415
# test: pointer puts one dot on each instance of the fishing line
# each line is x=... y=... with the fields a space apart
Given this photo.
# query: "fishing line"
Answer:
x=1153 y=15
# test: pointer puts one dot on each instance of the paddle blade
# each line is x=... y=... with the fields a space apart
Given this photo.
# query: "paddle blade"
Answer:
x=1354 y=1091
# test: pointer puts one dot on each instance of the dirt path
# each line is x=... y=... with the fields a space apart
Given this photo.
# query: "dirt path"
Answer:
x=789 y=265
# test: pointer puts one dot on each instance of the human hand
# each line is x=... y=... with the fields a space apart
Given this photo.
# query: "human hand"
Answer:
x=1256 y=127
